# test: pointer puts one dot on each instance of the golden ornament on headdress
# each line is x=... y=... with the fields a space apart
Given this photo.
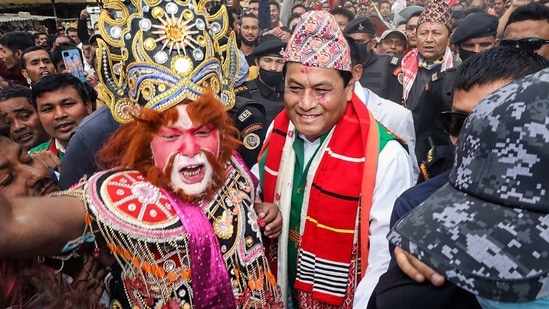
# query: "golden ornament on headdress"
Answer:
x=159 y=53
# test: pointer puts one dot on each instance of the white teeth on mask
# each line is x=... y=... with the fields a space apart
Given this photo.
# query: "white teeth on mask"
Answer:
x=191 y=174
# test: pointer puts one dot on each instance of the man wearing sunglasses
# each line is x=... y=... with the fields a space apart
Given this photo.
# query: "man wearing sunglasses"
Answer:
x=476 y=78
x=528 y=29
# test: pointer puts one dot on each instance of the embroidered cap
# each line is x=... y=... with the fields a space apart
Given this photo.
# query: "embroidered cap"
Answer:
x=487 y=230
x=160 y=53
x=437 y=11
x=318 y=42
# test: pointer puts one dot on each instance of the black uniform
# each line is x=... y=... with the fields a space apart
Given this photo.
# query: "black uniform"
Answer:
x=435 y=99
x=258 y=89
x=272 y=100
x=249 y=118
x=382 y=75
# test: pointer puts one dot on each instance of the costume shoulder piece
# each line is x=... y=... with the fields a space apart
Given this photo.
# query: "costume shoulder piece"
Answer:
x=127 y=201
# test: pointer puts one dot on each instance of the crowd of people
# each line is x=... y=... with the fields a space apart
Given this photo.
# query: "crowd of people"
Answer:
x=264 y=154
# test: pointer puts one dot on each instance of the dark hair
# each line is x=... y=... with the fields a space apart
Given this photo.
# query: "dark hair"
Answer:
x=532 y=11
x=57 y=53
x=17 y=40
x=292 y=17
x=253 y=1
x=71 y=41
x=299 y=5
x=384 y=1
x=36 y=35
x=249 y=15
x=498 y=63
x=230 y=11
x=56 y=81
x=273 y=2
x=23 y=62
x=266 y=37
x=51 y=40
x=343 y=12
x=474 y=10
x=15 y=91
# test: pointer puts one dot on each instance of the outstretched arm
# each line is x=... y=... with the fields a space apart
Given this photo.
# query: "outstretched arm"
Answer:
x=39 y=226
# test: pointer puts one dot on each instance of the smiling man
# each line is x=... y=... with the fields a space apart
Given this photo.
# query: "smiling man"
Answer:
x=20 y=115
x=248 y=35
x=62 y=102
x=327 y=163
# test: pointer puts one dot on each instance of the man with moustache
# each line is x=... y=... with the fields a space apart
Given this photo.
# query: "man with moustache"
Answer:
x=20 y=115
x=175 y=205
x=476 y=33
x=432 y=54
x=61 y=101
x=249 y=33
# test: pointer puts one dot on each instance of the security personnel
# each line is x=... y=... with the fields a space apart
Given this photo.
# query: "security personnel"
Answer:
x=380 y=73
x=248 y=117
x=475 y=33
x=432 y=148
x=268 y=87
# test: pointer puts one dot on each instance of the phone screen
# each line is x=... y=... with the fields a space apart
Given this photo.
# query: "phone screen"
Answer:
x=73 y=63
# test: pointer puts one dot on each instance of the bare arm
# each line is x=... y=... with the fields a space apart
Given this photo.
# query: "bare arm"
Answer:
x=39 y=226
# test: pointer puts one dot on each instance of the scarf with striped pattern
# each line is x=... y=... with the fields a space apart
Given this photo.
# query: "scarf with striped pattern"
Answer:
x=331 y=203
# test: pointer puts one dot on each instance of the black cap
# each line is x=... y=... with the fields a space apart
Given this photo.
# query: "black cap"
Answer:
x=360 y=25
x=274 y=47
x=94 y=38
x=476 y=25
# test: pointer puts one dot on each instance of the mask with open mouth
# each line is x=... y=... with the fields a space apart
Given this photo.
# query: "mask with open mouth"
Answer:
x=194 y=179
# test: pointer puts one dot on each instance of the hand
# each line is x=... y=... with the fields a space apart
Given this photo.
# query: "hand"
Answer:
x=48 y=159
x=517 y=3
x=416 y=269
x=84 y=14
x=270 y=219
x=3 y=83
x=90 y=279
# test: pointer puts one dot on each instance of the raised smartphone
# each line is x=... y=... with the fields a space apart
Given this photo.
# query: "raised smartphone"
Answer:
x=73 y=63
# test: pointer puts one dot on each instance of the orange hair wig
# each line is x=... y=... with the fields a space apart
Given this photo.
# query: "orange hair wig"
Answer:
x=129 y=147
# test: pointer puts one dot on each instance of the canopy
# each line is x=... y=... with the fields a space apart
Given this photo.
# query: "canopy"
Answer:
x=22 y=16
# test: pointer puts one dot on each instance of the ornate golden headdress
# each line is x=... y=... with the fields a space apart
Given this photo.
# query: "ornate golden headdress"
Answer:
x=159 y=53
